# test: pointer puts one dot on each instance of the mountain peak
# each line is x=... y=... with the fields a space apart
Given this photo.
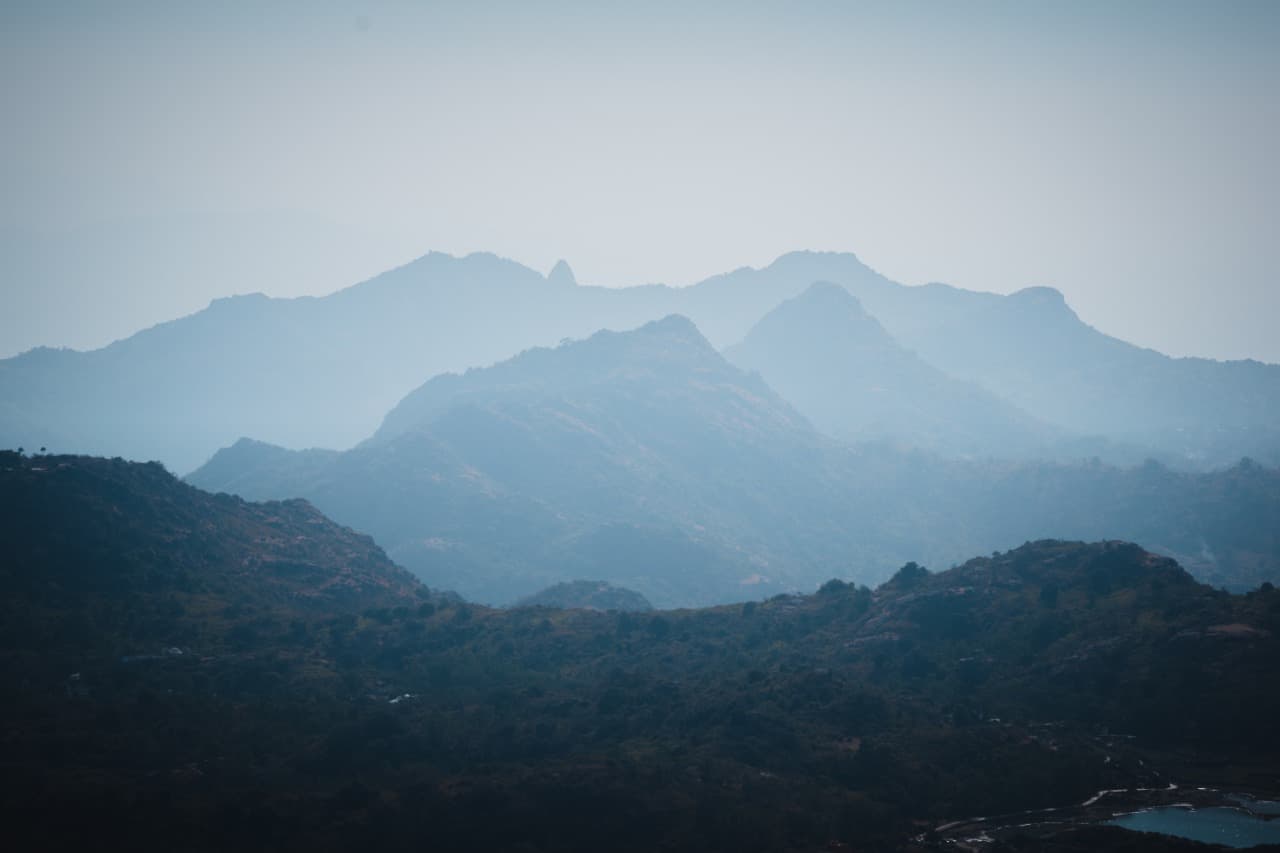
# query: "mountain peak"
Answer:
x=812 y=258
x=1042 y=298
x=561 y=274
x=1041 y=305
x=844 y=267
x=1040 y=295
x=672 y=324
x=830 y=294
x=841 y=369
x=827 y=310
x=671 y=345
x=673 y=340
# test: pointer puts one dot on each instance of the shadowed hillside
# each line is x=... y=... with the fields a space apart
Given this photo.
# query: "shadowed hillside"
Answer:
x=1028 y=679
x=106 y=558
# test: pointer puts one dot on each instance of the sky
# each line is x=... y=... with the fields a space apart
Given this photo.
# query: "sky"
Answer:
x=156 y=155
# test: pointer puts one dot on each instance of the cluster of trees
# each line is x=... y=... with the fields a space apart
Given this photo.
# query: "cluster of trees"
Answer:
x=282 y=718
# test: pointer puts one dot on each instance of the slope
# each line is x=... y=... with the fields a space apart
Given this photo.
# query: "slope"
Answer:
x=106 y=558
x=838 y=366
x=1032 y=350
x=645 y=459
x=850 y=718
x=321 y=372
x=642 y=458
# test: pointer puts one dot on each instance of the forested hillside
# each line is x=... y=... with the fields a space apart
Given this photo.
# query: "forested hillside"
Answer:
x=1026 y=679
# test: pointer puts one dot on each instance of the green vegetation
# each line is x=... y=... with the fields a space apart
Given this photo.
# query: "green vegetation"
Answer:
x=383 y=715
x=590 y=595
x=105 y=558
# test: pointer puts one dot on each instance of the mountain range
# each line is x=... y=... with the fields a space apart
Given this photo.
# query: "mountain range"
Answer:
x=646 y=459
x=837 y=365
x=321 y=372
x=642 y=458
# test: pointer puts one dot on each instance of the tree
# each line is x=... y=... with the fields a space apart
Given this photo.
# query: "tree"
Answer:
x=833 y=586
x=909 y=575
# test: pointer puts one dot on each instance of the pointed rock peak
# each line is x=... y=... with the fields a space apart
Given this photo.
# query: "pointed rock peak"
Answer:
x=561 y=274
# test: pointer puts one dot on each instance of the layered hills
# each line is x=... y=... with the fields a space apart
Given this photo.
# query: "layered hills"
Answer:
x=1031 y=349
x=850 y=718
x=645 y=459
x=321 y=372
x=642 y=458
x=838 y=366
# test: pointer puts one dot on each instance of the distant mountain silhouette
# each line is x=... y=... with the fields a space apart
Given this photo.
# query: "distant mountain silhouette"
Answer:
x=1031 y=349
x=561 y=275
x=836 y=363
x=645 y=459
x=642 y=458
x=321 y=372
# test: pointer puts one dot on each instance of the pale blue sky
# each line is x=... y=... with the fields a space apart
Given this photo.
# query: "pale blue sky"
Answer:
x=155 y=155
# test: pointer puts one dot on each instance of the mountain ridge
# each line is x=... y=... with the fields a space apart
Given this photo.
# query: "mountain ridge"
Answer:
x=694 y=482
x=838 y=365
x=322 y=371
x=183 y=568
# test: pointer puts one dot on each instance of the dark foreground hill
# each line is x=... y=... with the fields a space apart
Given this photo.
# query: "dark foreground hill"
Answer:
x=645 y=459
x=104 y=558
x=849 y=719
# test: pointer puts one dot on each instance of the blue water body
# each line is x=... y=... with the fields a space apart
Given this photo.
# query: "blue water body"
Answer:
x=1213 y=826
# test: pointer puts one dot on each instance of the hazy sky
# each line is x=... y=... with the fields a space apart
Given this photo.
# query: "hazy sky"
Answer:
x=156 y=155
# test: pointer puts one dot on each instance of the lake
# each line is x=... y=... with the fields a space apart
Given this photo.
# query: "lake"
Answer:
x=1224 y=826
